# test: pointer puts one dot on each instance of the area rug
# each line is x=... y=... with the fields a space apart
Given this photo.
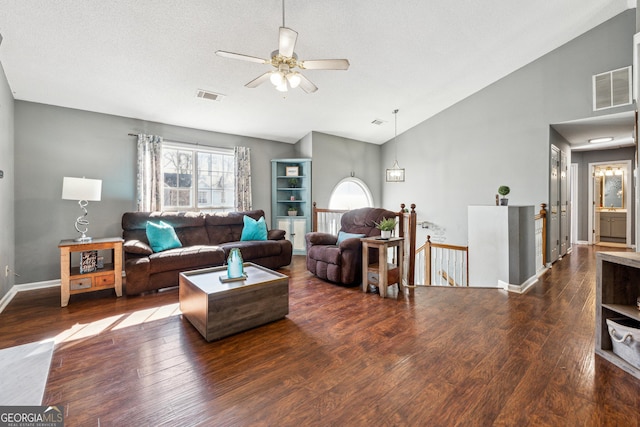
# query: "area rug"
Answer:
x=23 y=373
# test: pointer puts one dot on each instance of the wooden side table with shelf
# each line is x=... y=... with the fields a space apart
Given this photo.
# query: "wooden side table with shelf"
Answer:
x=617 y=291
x=108 y=277
x=386 y=273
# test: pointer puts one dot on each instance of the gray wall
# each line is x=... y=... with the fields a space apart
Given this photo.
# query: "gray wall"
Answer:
x=522 y=257
x=304 y=147
x=336 y=158
x=583 y=158
x=7 y=219
x=53 y=142
x=500 y=135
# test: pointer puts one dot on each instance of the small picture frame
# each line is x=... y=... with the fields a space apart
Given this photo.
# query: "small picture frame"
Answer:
x=291 y=171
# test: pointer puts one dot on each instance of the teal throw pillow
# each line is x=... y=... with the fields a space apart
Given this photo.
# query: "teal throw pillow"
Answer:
x=344 y=236
x=162 y=236
x=253 y=230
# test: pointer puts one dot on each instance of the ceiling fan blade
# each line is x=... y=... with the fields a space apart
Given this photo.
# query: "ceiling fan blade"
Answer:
x=287 y=41
x=306 y=84
x=259 y=80
x=324 y=64
x=241 y=57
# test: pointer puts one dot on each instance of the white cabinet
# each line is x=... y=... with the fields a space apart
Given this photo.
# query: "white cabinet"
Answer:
x=613 y=224
x=296 y=228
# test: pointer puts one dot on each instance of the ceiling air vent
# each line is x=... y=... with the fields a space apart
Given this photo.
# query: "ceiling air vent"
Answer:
x=612 y=89
x=209 y=95
x=378 y=122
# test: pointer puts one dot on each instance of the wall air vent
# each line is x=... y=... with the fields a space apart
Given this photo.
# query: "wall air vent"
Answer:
x=209 y=95
x=612 y=89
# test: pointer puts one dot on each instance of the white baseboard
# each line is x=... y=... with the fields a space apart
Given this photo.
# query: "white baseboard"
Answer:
x=26 y=287
x=6 y=299
x=520 y=289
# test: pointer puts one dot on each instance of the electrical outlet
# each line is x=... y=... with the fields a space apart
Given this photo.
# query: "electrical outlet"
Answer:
x=6 y=271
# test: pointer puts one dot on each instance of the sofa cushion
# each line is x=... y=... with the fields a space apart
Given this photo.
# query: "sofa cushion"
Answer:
x=186 y=258
x=227 y=227
x=325 y=253
x=162 y=236
x=187 y=225
x=363 y=220
x=254 y=249
x=253 y=230
x=137 y=247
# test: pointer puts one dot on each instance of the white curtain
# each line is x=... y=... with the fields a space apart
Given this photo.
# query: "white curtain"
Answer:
x=149 y=173
x=243 y=178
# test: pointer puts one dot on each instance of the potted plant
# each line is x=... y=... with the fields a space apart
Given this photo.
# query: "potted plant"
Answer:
x=292 y=211
x=386 y=226
x=503 y=190
x=293 y=182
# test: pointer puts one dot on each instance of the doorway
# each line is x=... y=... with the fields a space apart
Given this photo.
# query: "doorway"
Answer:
x=610 y=203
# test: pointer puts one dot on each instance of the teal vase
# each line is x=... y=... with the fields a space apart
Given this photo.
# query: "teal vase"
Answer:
x=235 y=268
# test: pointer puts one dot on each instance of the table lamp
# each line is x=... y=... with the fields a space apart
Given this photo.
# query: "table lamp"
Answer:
x=83 y=190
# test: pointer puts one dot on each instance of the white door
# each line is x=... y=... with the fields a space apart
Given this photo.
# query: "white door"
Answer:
x=573 y=203
x=564 y=204
x=554 y=208
x=597 y=189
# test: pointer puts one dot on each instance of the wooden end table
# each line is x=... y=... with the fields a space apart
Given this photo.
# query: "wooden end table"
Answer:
x=108 y=277
x=387 y=273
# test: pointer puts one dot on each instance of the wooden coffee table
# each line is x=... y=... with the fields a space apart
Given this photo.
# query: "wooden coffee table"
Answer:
x=218 y=309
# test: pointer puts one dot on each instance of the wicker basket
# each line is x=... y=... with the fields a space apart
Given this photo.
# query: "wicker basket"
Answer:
x=625 y=337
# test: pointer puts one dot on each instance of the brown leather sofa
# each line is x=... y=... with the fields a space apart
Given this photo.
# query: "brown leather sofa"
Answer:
x=206 y=241
x=342 y=262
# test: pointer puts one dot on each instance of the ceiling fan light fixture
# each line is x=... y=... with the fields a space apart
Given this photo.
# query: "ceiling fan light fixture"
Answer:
x=284 y=59
x=282 y=87
x=294 y=79
x=277 y=78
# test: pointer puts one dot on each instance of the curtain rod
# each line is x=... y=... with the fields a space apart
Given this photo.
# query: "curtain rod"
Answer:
x=173 y=140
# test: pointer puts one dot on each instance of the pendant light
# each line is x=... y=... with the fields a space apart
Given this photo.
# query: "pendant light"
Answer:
x=396 y=173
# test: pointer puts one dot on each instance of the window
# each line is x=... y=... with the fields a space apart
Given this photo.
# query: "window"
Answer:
x=197 y=178
x=351 y=193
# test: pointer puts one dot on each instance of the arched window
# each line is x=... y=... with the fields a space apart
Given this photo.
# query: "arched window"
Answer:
x=350 y=193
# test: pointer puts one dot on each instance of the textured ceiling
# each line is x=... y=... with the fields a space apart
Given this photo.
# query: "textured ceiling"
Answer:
x=146 y=59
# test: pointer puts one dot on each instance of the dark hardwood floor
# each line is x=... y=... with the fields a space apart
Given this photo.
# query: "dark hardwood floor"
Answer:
x=441 y=357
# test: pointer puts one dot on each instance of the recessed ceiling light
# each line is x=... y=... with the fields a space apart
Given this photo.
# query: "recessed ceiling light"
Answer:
x=603 y=139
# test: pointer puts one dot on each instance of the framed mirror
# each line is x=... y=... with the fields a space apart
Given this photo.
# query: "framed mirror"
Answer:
x=612 y=191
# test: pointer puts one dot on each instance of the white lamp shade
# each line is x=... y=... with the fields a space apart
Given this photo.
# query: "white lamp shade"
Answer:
x=277 y=78
x=282 y=87
x=294 y=79
x=81 y=189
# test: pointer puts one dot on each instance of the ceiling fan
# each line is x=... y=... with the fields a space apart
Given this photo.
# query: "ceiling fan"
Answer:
x=285 y=60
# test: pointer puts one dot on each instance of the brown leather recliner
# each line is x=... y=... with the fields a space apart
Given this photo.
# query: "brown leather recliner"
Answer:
x=341 y=261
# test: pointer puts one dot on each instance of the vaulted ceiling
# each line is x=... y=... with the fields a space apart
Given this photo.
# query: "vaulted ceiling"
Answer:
x=147 y=59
